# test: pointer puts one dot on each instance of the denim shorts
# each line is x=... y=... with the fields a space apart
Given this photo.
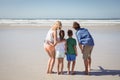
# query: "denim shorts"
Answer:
x=71 y=57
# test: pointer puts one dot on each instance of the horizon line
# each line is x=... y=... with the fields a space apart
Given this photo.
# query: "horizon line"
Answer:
x=65 y=18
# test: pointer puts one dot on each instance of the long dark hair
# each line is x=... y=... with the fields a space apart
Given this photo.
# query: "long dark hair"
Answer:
x=61 y=34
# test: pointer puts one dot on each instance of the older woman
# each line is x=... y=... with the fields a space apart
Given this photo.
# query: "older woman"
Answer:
x=86 y=43
x=49 y=45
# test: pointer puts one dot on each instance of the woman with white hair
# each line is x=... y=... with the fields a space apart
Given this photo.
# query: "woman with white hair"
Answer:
x=49 y=45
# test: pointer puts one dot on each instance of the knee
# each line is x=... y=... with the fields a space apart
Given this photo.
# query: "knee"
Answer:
x=53 y=59
x=74 y=62
x=69 y=62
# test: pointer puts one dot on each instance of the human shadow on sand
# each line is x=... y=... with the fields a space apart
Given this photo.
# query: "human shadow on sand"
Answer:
x=101 y=72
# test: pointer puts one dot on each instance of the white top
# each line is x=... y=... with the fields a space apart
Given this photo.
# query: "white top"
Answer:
x=49 y=36
x=60 y=47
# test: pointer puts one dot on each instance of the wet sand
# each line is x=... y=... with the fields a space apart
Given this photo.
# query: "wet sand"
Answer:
x=22 y=56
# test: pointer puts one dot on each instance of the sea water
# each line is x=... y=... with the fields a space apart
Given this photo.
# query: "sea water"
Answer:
x=50 y=21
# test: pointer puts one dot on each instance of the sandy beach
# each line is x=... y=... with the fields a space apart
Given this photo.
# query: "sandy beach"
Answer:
x=22 y=56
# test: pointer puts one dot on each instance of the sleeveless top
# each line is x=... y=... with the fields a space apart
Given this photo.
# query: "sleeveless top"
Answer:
x=49 y=37
x=60 y=47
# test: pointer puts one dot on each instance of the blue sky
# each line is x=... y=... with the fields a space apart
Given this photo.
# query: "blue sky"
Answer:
x=59 y=8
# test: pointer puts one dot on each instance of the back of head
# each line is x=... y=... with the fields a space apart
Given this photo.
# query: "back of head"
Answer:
x=58 y=24
x=70 y=33
x=61 y=34
x=76 y=25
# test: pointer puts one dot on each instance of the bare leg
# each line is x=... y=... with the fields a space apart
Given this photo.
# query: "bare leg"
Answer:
x=48 y=66
x=52 y=61
x=89 y=63
x=86 y=66
x=49 y=61
x=62 y=64
x=58 y=65
x=73 y=66
x=68 y=67
x=90 y=59
x=51 y=53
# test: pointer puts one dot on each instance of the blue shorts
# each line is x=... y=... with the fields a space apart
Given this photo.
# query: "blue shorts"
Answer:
x=71 y=57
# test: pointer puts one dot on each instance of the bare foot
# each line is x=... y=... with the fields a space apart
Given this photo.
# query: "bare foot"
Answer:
x=58 y=73
x=68 y=72
x=48 y=72
x=73 y=73
x=51 y=72
x=86 y=73
x=61 y=73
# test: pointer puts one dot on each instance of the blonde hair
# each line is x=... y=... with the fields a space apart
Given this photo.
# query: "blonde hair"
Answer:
x=58 y=24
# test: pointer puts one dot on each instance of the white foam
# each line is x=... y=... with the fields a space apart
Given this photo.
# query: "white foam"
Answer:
x=50 y=22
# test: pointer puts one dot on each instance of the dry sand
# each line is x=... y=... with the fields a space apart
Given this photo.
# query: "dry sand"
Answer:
x=22 y=56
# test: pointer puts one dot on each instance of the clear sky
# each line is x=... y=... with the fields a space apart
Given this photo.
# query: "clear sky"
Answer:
x=59 y=8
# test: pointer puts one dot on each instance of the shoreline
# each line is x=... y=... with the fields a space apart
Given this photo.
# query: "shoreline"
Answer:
x=101 y=26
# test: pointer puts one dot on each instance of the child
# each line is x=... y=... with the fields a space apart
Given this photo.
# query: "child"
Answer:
x=71 y=51
x=60 y=52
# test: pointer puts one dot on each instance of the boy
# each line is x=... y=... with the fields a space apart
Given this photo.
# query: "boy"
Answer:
x=71 y=51
x=86 y=44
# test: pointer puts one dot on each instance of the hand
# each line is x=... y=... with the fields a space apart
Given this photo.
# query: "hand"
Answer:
x=51 y=44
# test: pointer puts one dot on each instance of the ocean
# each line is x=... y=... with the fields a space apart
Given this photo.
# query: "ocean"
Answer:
x=50 y=21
